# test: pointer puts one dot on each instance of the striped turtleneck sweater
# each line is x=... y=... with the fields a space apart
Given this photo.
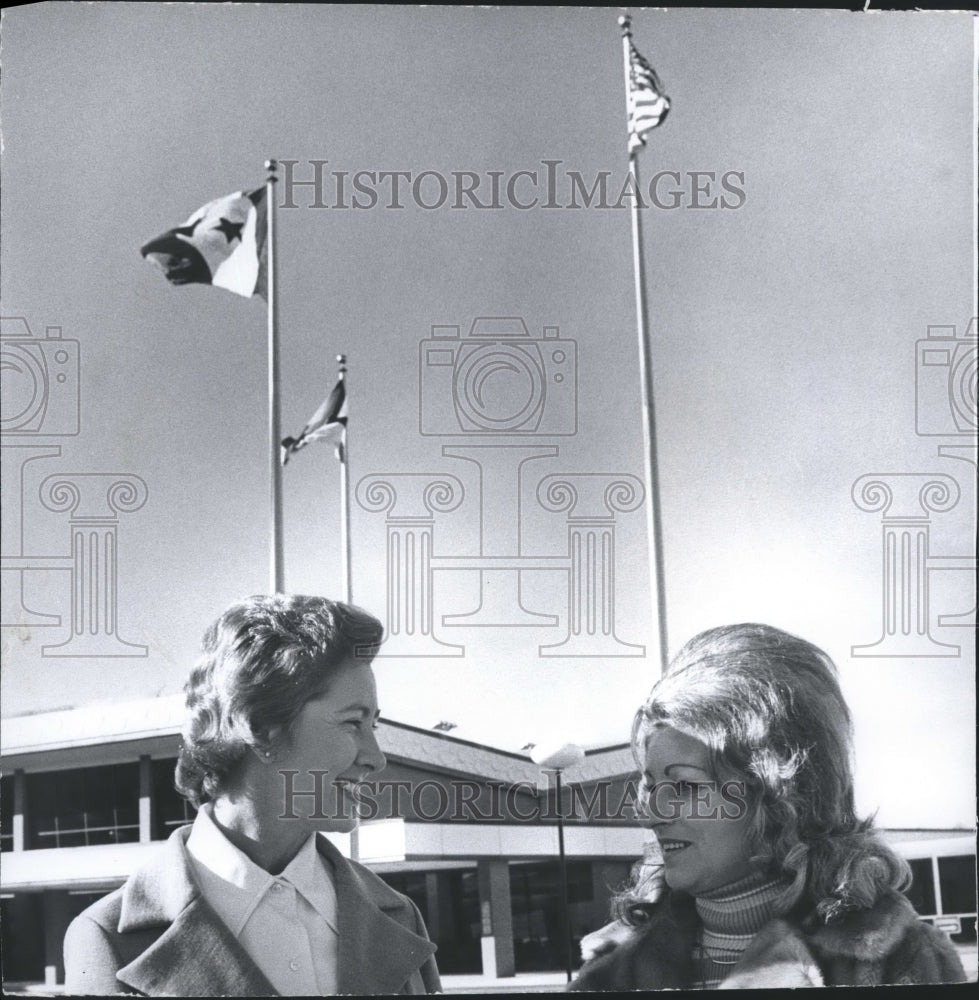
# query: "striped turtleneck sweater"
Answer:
x=730 y=918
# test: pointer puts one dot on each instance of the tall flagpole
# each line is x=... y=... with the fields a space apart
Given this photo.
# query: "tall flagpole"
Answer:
x=276 y=563
x=344 y=451
x=653 y=516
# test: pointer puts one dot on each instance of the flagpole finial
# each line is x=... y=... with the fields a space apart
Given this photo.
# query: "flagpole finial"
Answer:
x=342 y=362
x=271 y=166
x=625 y=23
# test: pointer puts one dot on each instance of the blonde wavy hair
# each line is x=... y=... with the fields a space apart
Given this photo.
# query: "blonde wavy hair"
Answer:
x=768 y=705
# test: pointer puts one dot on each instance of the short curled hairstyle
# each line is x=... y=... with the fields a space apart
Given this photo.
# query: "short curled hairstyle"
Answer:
x=768 y=705
x=260 y=663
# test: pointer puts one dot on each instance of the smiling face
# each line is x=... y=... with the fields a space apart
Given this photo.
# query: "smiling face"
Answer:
x=333 y=733
x=700 y=819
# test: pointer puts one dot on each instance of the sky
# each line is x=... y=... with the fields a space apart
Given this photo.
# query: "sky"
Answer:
x=816 y=217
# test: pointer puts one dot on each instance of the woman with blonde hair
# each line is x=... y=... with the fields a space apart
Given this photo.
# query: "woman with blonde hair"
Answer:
x=763 y=874
x=250 y=900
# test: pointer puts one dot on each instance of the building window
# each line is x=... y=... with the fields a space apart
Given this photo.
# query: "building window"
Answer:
x=454 y=923
x=460 y=924
x=22 y=916
x=922 y=890
x=171 y=809
x=7 y=812
x=535 y=895
x=412 y=885
x=957 y=878
x=84 y=807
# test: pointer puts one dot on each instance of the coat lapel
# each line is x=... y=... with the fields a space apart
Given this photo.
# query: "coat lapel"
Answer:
x=377 y=953
x=776 y=958
x=196 y=955
x=850 y=949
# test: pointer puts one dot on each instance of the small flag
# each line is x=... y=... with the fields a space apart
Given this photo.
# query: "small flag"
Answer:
x=221 y=244
x=648 y=105
x=327 y=423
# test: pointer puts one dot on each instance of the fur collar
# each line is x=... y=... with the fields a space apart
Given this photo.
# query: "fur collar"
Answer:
x=866 y=935
x=784 y=953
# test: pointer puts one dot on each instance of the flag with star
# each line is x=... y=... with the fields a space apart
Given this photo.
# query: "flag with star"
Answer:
x=222 y=243
x=648 y=105
x=326 y=424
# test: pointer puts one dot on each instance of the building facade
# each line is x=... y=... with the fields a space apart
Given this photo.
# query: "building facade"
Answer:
x=469 y=832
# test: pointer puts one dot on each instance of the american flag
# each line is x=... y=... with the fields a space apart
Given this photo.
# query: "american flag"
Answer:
x=648 y=105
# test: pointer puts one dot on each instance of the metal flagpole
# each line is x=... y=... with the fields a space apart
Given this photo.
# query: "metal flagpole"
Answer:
x=276 y=567
x=344 y=450
x=653 y=516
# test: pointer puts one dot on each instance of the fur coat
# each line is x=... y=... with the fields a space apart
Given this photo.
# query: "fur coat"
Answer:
x=886 y=944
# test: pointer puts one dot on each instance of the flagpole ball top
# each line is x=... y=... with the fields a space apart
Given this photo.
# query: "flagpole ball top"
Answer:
x=271 y=166
x=625 y=23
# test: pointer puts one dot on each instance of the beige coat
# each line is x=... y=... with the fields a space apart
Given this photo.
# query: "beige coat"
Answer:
x=157 y=936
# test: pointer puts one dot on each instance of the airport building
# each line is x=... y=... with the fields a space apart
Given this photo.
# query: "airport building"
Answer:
x=469 y=832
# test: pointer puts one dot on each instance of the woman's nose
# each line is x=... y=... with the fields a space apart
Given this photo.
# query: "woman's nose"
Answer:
x=659 y=804
x=370 y=753
x=640 y=809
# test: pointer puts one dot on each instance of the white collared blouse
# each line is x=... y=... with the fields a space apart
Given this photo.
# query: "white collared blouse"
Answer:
x=287 y=923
